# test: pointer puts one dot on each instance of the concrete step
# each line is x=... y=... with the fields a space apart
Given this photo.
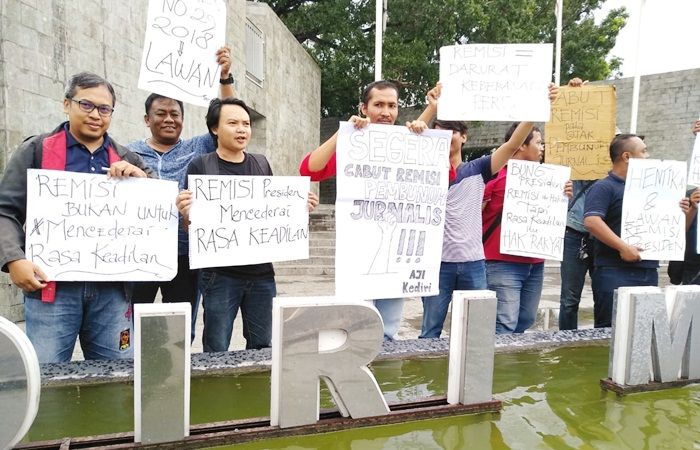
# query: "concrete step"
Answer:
x=302 y=270
x=313 y=261
x=321 y=250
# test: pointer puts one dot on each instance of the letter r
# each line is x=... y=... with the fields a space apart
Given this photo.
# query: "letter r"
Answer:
x=323 y=337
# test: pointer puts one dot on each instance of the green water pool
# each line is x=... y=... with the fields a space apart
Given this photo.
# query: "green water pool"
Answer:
x=551 y=399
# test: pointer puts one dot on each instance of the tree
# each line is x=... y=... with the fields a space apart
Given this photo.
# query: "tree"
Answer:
x=339 y=34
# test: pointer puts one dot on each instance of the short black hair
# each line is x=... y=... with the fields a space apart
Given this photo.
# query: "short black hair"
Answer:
x=153 y=97
x=214 y=112
x=512 y=128
x=379 y=85
x=87 y=80
x=454 y=125
x=619 y=145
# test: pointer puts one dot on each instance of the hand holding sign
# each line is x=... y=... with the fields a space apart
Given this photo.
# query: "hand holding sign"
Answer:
x=177 y=57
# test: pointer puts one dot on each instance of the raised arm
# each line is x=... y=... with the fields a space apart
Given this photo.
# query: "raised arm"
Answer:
x=502 y=154
x=223 y=58
x=430 y=110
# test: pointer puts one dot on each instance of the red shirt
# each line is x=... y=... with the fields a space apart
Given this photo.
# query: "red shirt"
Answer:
x=322 y=174
x=494 y=194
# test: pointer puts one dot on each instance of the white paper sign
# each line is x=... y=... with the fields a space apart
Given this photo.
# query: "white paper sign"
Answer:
x=239 y=220
x=495 y=82
x=534 y=210
x=179 y=49
x=651 y=216
x=390 y=210
x=84 y=227
x=694 y=171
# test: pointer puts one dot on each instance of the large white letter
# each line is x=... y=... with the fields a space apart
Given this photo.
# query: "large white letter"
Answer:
x=323 y=337
x=20 y=384
x=161 y=372
x=472 y=342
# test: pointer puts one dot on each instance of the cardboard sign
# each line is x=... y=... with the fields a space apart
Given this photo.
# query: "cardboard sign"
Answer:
x=651 y=216
x=581 y=129
x=534 y=210
x=84 y=227
x=179 y=49
x=495 y=82
x=239 y=220
x=390 y=210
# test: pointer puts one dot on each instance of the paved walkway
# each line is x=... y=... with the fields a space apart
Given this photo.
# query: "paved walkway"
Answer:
x=324 y=285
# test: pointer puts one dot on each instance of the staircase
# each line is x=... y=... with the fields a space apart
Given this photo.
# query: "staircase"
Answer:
x=321 y=247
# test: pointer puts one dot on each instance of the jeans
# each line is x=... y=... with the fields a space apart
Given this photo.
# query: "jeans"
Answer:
x=573 y=276
x=390 y=309
x=518 y=287
x=222 y=296
x=182 y=288
x=607 y=279
x=96 y=312
x=465 y=276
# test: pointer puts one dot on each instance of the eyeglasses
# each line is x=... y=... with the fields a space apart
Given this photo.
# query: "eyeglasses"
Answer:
x=88 y=107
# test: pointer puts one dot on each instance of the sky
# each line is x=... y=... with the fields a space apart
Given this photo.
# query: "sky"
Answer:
x=670 y=35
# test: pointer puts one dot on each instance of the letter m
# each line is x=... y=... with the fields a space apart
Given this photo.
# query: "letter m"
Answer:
x=656 y=336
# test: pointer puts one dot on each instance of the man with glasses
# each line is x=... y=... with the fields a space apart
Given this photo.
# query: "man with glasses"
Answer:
x=169 y=155
x=58 y=312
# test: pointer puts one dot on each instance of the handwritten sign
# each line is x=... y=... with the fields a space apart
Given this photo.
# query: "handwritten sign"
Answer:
x=694 y=171
x=84 y=227
x=390 y=210
x=182 y=37
x=534 y=210
x=495 y=82
x=651 y=217
x=239 y=220
x=580 y=130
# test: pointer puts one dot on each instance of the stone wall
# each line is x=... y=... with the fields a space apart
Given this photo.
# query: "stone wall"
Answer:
x=42 y=43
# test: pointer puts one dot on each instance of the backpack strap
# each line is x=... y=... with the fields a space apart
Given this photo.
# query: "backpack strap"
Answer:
x=496 y=222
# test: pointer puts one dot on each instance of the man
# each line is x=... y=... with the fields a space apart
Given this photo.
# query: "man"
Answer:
x=616 y=263
x=578 y=256
x=226 y=289
x=380 y=104
x=517 y=280
x=462 y=266
x=56 y=313
x=168 y=156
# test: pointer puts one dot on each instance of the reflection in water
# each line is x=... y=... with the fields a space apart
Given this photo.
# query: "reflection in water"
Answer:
x=551 y=399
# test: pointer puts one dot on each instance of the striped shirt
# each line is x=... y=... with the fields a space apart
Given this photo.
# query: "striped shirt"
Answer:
x=462 y=239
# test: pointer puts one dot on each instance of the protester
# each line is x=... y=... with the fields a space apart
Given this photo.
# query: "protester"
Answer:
x=168 y=156
x=249 y=287
x=616 y=263
x=463 y=266
x=380 y=104
x=57 y=313
x=517 y=280
x=578 y=254
x=688 y=270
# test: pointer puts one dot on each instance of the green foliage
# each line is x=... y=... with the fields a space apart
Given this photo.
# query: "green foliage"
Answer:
x=339 y=34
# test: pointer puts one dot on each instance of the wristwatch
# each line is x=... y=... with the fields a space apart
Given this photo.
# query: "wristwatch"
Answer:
x=228 y=80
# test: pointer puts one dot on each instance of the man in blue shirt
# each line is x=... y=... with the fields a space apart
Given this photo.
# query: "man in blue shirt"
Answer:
x=57 y=313
x=616 y=263
x=169 y=156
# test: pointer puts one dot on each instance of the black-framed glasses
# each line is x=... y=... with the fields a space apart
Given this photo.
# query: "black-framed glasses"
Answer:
x=88 y=107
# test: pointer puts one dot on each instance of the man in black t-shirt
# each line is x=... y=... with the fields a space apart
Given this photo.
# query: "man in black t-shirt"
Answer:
x=226 y=289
